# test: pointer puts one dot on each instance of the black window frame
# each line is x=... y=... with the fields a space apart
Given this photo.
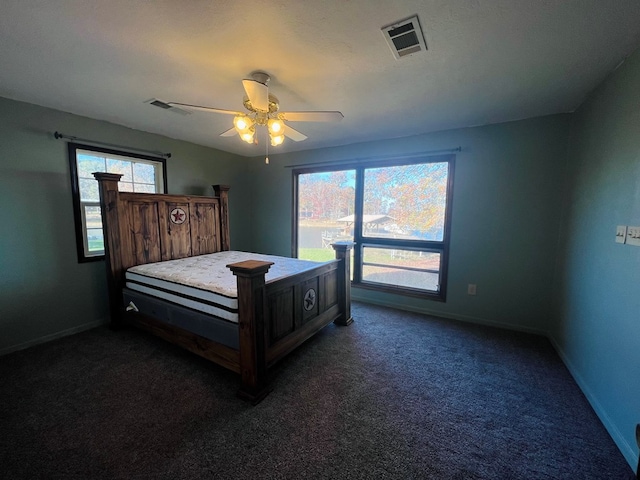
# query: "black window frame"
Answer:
x=360 y=241
x=72 y=149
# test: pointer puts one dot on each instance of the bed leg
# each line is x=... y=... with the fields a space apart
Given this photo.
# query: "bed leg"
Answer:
x=252 y=306
x=343 y=252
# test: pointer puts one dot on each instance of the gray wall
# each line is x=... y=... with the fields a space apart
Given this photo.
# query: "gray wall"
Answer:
x=44 y=291
x=597 y=322
x=505 y=216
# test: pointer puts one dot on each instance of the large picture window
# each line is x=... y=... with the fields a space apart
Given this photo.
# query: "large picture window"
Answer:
x=396 y=212
x=140 y=173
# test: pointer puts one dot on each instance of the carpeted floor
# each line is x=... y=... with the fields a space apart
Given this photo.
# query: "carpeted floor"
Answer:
x=396 y=395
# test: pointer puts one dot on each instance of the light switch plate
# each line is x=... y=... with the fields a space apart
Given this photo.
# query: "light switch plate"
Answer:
x=621 y=234
x=633 y=236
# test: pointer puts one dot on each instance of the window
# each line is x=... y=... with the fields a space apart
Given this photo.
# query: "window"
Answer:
x=139 y=174
x=396 y=212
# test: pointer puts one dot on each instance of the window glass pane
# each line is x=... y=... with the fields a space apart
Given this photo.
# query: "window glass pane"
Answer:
x=125 y=186
x=120 y=166
x=325 y=212
x=406 y=201
x=87 y=164
x=403 y=268
x=95 y=240
x=92 y=218
x=144 y=188
x=93 y=229
x=89 y=190
x=144 y=173
x=399 y=221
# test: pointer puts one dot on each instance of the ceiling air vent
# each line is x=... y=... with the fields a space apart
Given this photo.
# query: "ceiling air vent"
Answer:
x=405 y=37
x=164 y=105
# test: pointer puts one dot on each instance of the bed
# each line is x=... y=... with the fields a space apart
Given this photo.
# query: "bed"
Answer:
x=240 y=310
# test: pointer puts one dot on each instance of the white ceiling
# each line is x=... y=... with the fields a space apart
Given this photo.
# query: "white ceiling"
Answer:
x=488 y=61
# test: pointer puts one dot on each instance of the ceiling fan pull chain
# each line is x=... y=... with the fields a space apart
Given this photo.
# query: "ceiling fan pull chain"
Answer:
x=266 y=142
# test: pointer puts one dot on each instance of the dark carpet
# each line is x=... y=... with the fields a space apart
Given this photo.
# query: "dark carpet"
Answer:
x=396 y=395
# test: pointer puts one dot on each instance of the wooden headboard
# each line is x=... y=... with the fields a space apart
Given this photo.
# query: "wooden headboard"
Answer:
x=143 y=228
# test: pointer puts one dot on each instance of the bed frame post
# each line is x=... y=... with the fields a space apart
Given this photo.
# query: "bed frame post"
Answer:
x=222 y=191
x=252 y=306
x=108 y=186
x=343 y=252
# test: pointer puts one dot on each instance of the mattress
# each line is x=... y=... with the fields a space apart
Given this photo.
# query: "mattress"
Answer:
x=204 y=283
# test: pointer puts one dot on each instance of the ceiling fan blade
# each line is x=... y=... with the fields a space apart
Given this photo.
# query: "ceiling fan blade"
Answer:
x=258 y=93
x=312 y=116
x=294 y=135
x=204 y=109
x=229 y=133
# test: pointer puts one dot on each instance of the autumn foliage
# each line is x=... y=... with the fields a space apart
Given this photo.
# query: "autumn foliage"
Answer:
x=413 y=196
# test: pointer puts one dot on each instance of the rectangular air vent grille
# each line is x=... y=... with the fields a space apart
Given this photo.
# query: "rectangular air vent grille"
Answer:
x=405 y=37
x=166 y=106
x=158 y=103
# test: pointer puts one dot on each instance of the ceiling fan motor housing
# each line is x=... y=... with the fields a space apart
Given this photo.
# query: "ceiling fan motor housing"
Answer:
x=274 y=104
x=261 y=77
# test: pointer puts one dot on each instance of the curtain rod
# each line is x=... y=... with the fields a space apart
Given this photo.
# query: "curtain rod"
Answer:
x=59 y=135
x=376 y=158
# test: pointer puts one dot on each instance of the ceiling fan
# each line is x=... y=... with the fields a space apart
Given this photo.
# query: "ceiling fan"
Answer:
x=263 y=110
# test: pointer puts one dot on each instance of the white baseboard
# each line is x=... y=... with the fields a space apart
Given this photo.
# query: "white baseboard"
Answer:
x=450 y=316
x=53 y=336
x=627 y=450
x=624 y=447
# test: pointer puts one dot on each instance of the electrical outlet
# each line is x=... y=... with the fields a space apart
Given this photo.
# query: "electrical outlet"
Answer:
x=621 y=234
x=471 y=289
x=633 y=236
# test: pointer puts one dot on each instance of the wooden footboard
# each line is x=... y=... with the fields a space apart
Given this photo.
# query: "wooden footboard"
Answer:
x=277 y=317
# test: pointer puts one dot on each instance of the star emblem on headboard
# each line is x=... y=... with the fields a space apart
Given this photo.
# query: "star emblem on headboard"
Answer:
x=178 y=216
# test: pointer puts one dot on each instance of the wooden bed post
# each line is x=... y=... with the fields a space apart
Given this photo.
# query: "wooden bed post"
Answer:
x=222 y=191
x=252 y=306
x=343 y=252
x=108 y=187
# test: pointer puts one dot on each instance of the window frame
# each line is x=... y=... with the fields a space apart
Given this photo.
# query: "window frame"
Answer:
x=360 y=241
x=79 y=216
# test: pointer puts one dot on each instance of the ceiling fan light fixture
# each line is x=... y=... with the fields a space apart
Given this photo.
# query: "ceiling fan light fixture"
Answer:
x=247 y=135
x=276 y=140
x=263 y=111
x=276 y=126
x=242 y=123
